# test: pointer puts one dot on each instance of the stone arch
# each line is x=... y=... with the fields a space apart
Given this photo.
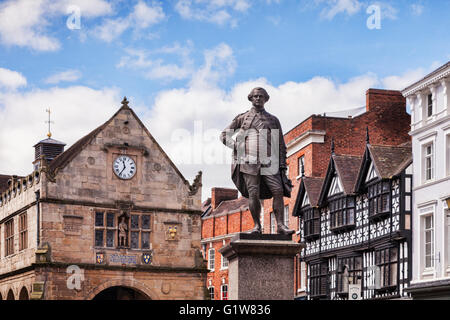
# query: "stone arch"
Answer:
x=133 y=284
x=10 y=295
x=23 y=295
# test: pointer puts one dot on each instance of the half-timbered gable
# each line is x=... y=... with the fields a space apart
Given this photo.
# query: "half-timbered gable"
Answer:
x=364 y=206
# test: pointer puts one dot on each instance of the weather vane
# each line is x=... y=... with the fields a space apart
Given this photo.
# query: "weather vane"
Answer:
x=49 y=134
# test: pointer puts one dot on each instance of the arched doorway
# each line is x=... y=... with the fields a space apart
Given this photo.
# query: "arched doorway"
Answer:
x=10 y=295
x=121 y=293
x=24 y=294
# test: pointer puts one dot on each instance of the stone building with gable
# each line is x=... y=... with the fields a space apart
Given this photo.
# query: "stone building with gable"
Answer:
x=109 y=218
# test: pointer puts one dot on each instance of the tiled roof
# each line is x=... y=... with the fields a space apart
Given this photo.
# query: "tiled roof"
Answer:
x=313 y=187
x=228 y=206
x=390 y=160
x=347 y=168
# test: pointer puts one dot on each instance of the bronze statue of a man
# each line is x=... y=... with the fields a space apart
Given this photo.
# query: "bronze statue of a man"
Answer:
x=259 y=159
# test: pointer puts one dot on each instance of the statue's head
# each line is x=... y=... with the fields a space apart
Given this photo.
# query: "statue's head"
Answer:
x=258 y=97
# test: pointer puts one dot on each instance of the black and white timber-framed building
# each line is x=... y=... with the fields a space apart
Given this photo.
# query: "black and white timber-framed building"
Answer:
x=356 y=223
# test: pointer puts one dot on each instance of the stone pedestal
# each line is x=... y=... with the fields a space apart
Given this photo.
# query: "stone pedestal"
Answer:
x=261 y=267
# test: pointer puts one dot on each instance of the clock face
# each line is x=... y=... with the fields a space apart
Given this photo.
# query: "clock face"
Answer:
x=124 y=167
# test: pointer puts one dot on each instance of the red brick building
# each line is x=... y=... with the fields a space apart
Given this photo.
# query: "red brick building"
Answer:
x=224 y=214
x=308 y=145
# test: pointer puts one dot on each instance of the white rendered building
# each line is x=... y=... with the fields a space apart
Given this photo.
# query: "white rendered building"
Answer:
x=429 y=100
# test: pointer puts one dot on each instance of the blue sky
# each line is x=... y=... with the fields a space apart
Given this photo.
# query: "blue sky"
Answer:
x=183 y=59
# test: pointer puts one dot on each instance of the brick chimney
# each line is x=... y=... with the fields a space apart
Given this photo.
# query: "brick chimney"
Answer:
x=221 y=194
x=378 y=99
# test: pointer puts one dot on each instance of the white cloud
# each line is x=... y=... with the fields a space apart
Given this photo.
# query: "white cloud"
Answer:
x=400 y=82
x=335 y=7
x=142 y=17
x=11 y=80
x=219 y=12
x=25 y=23
x=152 y=66
x=89 y=8
x=387 y=10
x=417 y=9
x=64 y=76
x=23 y=117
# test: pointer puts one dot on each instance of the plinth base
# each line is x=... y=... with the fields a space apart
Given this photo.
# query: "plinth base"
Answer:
x=261 y=267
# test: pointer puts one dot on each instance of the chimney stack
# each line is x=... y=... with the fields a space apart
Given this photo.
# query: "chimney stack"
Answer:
x=384 y=99
x=222 y=194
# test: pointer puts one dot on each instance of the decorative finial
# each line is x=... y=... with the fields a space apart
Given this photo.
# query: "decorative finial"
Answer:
x=367 y=135
x=125 y=102
x=49 y=134
x=332 y=146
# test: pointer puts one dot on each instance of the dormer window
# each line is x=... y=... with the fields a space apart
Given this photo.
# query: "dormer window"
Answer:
x=311 y=218
x=342 y=213
x=379 y=199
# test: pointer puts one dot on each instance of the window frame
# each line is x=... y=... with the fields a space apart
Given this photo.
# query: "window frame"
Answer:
x=273 y=223
x=355 y=272
x=379 y=199
x=9 y=237
x=213 y=259
x=430 y=105
x=301 y=164
x=286 y=215
x=106 y=229
x=318 y=280
x=140 y=230
x=428 y=165
x=387 y=267
x=224 y=262
x=23 y=231
x=340 y=214
x=431 y=243
x=211 y=292
x=311 y=222
x=224 y=293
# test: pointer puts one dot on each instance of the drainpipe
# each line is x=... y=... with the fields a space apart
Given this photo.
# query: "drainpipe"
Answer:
x=38 y=213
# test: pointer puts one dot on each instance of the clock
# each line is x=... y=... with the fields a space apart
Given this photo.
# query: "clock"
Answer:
x=124 y=167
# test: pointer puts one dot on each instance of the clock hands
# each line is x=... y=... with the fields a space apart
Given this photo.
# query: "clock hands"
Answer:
x=124 y=166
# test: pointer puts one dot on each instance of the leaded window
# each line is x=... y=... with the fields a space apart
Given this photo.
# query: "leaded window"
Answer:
x=9 y=237
x=379 y=196
x=311 y=218
x=387 y=262
x=140 y=231
x=349 y=272
x=105 y=229
x=23 y=231
x=318 y=280
x=342 y=213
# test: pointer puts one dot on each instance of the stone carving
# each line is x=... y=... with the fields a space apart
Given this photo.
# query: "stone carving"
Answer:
x=123 y=232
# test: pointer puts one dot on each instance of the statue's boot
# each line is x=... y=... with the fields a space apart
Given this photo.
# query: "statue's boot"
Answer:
x=282 y=229
x=255 y=230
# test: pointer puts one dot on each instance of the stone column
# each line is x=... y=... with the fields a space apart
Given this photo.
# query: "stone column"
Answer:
x=261 y=267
